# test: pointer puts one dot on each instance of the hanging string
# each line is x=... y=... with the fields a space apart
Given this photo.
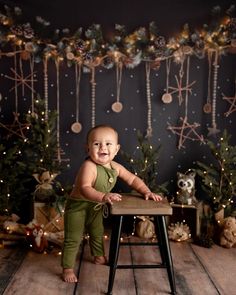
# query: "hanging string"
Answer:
x=187 y=83
x=93 y=96
x=214 y=94
x=45 y=74
x=22 y=75
x=119 y=67
x=181 y=74
x=77 y=78
x=207 y=106
x=213 y=129
x=57 y=63
x=167 y=97
x=32 y=81
x=149 y=105
x=117 y=106
x=168 y=63
x=16 y=91
x=76 y=127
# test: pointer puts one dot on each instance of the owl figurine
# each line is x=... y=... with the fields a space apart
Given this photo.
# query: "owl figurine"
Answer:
x=185 y=194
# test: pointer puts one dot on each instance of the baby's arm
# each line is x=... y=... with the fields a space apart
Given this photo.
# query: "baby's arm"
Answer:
x=85 y=181
x=136 y=183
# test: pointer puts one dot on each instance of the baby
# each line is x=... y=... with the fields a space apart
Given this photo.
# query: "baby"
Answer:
x=94 y=182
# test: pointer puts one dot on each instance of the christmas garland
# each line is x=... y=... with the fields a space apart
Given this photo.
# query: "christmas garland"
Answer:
x=90 y=48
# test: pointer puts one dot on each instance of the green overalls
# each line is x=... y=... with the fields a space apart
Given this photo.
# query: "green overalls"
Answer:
x=80 y=216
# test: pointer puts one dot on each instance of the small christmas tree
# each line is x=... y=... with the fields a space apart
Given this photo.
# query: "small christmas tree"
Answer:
x=13 y=191
x=40 y=151
x=219 y=177
x=144 y=163
x=28 y=166
x=41 y=145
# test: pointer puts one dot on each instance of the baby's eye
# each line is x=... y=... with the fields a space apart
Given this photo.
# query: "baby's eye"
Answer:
x=109 y=143
x=96 y=143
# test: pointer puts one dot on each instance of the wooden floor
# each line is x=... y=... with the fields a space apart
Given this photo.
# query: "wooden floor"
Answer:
x=198 y=270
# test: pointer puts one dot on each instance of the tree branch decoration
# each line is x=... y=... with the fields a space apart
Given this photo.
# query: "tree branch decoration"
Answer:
x=143 y=44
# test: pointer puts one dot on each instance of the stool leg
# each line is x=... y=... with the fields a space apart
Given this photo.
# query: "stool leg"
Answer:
x=165 y=250
x=114 y=250
x=160 y=240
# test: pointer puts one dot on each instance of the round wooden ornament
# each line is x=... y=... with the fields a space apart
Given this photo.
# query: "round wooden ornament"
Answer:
x=207 y=108
x=76 y=127
x=117 y=107
x=167 y=98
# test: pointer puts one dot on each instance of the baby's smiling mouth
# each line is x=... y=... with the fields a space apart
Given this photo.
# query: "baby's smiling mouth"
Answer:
x=103 y=154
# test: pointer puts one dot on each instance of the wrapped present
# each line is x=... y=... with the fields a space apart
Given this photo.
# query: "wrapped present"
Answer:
x=50 y=217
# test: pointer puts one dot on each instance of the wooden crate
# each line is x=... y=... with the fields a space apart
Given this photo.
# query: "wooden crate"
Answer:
x=188 y=214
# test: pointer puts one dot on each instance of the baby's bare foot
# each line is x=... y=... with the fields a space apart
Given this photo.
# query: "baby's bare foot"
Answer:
x=69 y=276
x=100 y=260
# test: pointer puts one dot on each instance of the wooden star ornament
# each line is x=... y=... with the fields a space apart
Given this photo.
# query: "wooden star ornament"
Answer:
x=232 y=101
x=186 y=131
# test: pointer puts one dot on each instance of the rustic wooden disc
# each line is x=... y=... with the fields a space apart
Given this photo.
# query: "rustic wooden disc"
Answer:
x=76 y=127
x=117 y=107
x=207 y=108
x=167 y=98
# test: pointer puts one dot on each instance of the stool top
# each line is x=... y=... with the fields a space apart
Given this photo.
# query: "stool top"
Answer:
x=133 y=204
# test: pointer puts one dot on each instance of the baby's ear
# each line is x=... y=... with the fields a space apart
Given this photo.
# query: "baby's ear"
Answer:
x=117 y=148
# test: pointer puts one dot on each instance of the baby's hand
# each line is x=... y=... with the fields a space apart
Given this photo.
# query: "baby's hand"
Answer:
x=110 y=197
x=152 y=196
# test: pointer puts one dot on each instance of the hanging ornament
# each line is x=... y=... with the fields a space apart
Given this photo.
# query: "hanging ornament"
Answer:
x=57 y=63
x=16 y=128
x=149 y=103
x=186 y=130
x=232 y=101
x=45 y=73
x=118 y=106
x=213 y=129
x=180 y=89
x=93 y=96
x=167 y=97
x=207 y=106
x=32 y=82
x=76 y=127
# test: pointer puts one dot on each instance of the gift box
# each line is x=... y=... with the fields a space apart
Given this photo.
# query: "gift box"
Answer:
x=50 y=217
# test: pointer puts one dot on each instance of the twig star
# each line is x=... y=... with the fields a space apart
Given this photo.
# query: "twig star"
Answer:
x=191 y=132
x=232 y=101
x=180 y=89
x=24 y=81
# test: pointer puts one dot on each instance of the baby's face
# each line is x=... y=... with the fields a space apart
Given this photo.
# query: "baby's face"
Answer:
x=103 y=146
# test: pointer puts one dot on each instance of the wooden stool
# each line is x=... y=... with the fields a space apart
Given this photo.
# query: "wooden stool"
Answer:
x=136 y=205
